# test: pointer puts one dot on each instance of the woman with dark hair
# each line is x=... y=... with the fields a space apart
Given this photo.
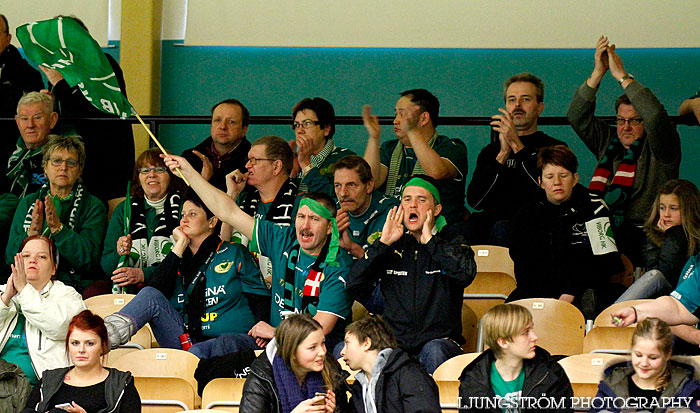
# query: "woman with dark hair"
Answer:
x=203 y=288
x=87 y=386
x=295 y=373
x=650 y=375
x=152 y=214
x=64 y=210
x=35 y=310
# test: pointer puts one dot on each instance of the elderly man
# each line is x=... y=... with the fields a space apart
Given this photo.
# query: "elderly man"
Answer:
x=314 y=127
x=636 y=157
x=269 y=194
x=422 y=274
x=17 y=77
x=418 y=149
x=227 y=148
x=308 y=268
x=505 y=177
x=362 y=209
x=24 y=172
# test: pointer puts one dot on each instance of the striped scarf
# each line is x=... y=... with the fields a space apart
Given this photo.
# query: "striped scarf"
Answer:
x=20 y=167
x=145 y=253
x=317 y=161
x=77 y=195
x=618 y=193
x=394 y=168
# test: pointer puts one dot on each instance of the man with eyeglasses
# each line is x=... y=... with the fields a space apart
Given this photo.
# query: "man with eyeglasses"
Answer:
x=227 y=148
x=314 y=127
x=17 y=77
x=269 y=193
x=418 y=149
x=635 y=157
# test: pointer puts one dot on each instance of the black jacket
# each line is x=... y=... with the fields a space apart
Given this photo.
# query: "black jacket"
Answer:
x=500 y=189
x=260 y=391
x=422 y=286
x=232 y=161
x=403 y=386
x=551 y=247
x=544 y=378
x=119 y=392
x=669 y=257
x=109 y=146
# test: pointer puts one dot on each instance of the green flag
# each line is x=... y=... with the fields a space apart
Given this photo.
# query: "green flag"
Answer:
x=63 y=44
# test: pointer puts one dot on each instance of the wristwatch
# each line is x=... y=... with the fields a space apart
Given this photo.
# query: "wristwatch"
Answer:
x=60 y=228
x=625 y=77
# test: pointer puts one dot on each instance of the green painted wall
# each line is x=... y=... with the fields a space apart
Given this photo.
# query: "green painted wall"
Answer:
x=467 y=82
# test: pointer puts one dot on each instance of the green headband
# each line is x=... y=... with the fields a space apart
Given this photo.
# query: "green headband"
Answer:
x=440 y=221
x=322 y=211
x=416 y=181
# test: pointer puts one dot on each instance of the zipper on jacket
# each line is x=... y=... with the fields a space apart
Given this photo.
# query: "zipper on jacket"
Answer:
x=119 y=398
x=537 y=384
x=272 y=386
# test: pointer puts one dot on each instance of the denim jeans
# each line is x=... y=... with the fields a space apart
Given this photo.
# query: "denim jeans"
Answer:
x=652 y=284
x=151 y=306
x=232 y=343
x=437 y=351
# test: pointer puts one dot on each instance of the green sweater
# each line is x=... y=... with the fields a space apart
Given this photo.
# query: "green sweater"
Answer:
x=320 y=179
x=78 y=248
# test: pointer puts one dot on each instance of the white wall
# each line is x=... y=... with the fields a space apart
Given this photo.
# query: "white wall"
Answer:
x=92 y=12
x=442 y=23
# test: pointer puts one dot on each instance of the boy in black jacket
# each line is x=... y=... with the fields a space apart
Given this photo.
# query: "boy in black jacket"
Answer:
x=513 y=375
x=389 y=379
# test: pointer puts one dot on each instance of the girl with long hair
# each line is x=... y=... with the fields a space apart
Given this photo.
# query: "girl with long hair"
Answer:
x=673 y=236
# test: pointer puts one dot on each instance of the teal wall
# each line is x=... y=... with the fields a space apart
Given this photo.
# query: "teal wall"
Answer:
x=468 y=82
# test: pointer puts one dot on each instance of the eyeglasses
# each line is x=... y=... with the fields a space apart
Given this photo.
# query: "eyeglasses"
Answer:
x=71 y=163
x=253 y=160
x=306 y=124
x=157 y=169
x=632 y=122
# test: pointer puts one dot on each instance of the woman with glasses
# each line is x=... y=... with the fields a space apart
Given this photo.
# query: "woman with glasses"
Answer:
x=139 y=235
x=65 y=211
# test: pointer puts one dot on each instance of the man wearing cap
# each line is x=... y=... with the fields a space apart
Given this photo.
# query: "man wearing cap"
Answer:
x=422 y=274
x=308 y=267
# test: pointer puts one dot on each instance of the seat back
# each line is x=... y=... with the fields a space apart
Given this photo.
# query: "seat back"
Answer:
x=605 y=320
x=165 y=394
x=161 y=363
x=488 y=290
x=449 y=395
x=586 y=370
x=613 y=340
x=223 y=394
x=470 y=328
x=106 y=304
x=559 y=325
x=451 y=369
x=492 y=258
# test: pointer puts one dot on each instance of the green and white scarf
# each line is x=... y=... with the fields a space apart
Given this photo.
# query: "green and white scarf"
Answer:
x=20 y=166
x=144 y=252
x=76 y=194
x=395 y=166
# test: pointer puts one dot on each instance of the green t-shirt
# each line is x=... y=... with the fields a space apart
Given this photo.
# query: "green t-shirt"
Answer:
x=231 y=273
x=367 y=227
x=327 y=295
x=509 y=391
x=16 y=351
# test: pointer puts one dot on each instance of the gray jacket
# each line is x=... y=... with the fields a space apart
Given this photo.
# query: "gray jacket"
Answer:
x=660 y=158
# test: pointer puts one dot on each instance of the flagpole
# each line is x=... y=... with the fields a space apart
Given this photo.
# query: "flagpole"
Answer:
x=179 y=172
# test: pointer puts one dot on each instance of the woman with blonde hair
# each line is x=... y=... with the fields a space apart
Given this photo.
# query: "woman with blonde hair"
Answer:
x=651 y=376
x=295 y=373
x=673 y=236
